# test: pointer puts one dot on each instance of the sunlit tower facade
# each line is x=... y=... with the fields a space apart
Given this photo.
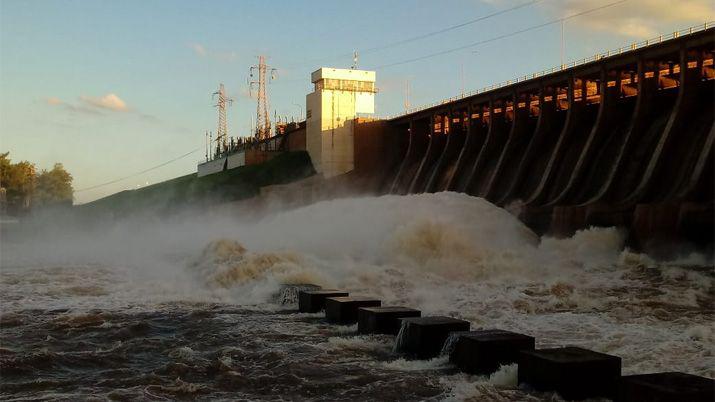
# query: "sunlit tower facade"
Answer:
x=338 y=97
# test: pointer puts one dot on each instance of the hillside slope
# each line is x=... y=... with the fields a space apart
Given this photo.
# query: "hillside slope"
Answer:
x=190 y=190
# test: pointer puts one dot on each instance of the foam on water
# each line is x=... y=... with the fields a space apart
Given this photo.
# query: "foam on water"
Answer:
x=400 y=339
x=436 y=363
x=445 y=253
x=451 y=342
x=357 y=343
x=500 y=386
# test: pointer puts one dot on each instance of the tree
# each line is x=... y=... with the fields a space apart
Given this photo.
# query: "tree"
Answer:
x=18 y=180
x=53 y=187
x=21 y=187
x=4 y=167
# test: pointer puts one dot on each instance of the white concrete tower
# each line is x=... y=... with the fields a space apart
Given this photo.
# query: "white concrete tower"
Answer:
x=331 y=109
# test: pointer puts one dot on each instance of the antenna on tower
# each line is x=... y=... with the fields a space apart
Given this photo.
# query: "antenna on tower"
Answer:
x=222 y=133
x=407 y=94
x=263 y=121
x=355 y=60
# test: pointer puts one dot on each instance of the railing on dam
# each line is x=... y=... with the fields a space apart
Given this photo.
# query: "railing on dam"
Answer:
x=575 y=63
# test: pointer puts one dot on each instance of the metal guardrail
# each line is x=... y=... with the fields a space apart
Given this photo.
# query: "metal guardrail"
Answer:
x=571 y=64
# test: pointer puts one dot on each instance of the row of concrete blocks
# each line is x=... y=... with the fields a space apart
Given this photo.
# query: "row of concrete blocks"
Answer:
x=573 y=372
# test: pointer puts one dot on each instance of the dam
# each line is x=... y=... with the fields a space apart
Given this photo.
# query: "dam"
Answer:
x=621 y=139
x=624 y=139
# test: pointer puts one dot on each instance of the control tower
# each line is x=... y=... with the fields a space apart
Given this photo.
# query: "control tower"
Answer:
x=339 y=95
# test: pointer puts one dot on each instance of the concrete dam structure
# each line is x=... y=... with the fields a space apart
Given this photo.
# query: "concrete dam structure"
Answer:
x=624 y=140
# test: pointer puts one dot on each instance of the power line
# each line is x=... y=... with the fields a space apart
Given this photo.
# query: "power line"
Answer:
x=450 y=28
x=146 y=170
x=427 y=35
x=496 y=38
x=139 y=173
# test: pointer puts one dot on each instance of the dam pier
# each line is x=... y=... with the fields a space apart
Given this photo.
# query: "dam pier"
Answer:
x=623 y=140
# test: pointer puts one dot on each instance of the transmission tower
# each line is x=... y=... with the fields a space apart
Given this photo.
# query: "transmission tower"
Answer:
x=263 y=121
x=222 y=132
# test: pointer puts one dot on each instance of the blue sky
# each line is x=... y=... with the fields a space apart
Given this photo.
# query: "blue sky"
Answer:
x=110 y=88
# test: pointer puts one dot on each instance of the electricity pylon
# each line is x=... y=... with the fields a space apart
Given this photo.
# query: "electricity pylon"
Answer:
x=263 y=121
x=222 y=132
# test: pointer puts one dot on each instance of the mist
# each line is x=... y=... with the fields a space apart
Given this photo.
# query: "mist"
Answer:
x=444 y=253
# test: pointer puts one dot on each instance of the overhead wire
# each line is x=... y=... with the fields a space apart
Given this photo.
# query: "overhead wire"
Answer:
x=496 y=38
x=138 y=173
x=423 y=36
x=450 y=28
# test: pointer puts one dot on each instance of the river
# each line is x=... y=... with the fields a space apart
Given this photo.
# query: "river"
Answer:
x=191 y=308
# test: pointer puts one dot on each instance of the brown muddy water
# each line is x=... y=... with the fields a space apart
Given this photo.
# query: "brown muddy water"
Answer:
x=191 y=309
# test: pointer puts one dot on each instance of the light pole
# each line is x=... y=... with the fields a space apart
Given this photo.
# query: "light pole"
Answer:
x=300 y=109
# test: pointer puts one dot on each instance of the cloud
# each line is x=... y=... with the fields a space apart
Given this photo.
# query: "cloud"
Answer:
x=53 y=101
x=74 y=108
x=640 y=19
x=109 y=102
x=637 y=19
x=203 y=52
x=198 y=49
x=101 y=105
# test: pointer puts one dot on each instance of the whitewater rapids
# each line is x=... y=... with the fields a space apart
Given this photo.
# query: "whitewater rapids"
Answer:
x=444 y=253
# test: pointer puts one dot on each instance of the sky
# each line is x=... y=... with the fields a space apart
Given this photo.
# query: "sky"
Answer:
x=113 y=88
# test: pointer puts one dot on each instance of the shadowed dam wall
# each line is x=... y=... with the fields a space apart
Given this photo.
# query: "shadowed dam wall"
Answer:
x=625 y=140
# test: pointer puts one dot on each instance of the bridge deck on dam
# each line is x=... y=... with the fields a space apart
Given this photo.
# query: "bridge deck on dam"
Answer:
x=625 y=140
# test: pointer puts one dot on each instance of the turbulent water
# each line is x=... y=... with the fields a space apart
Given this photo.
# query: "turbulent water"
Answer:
x=156 y=310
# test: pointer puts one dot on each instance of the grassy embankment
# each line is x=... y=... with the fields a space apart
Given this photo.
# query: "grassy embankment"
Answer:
x=188 y=191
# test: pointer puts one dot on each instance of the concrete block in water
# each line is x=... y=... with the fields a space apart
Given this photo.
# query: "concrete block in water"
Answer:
x=424 y=336
x=344 y=310
x=313 y=301
x=482 y=352
x=383 y=320
x=574 y=373
x=666 y=387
